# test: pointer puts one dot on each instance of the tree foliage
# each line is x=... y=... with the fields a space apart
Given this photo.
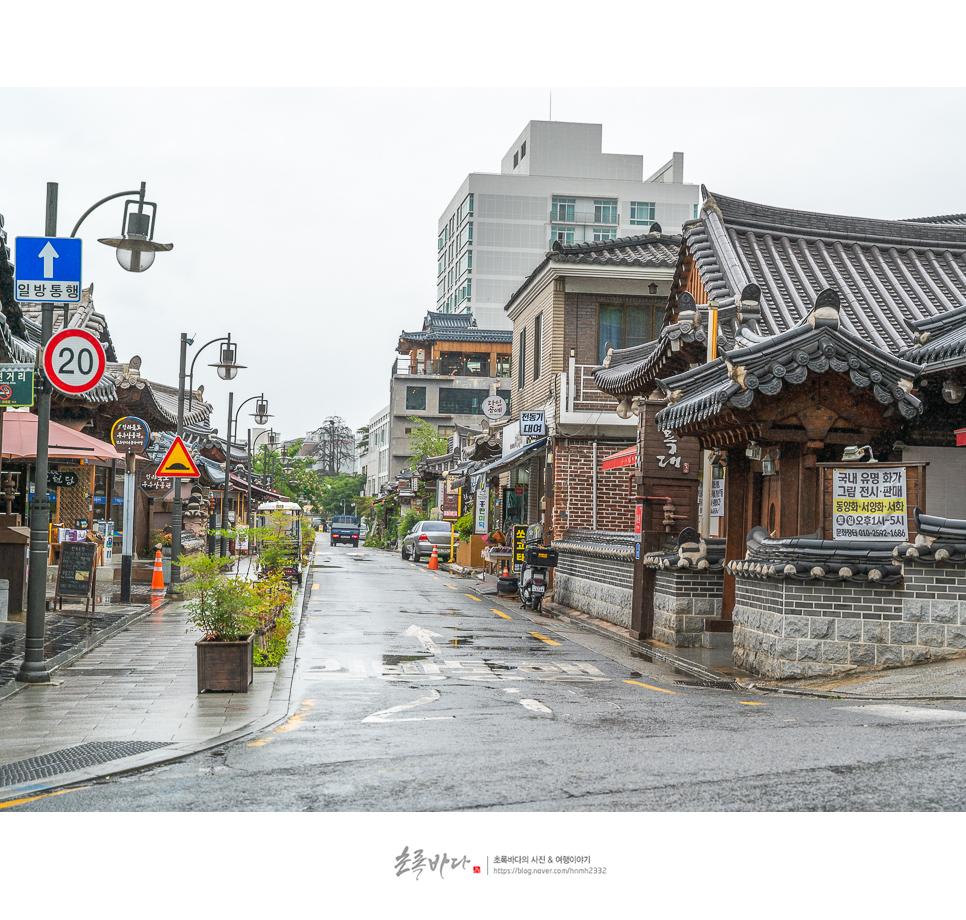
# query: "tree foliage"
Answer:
x=425 y=440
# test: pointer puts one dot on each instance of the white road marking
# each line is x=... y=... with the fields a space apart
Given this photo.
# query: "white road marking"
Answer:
x=535 y=706
x=471 y=669
x=425 y=637
x=384 y=714
x=906 y=714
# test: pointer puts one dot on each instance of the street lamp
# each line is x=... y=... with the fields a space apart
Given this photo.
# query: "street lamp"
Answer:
x=261 y=416
x=227 y=368
x=34 y=669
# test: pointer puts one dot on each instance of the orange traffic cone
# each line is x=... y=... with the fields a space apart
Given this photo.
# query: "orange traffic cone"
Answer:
x=434 y=559
x=157 y=580
x=506 y=570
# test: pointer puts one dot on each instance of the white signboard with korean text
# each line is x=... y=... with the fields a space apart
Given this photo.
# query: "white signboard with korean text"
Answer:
x=869 y=503
x=482 y=509
x=533 y=424
x=717 y=498
x=494 y=408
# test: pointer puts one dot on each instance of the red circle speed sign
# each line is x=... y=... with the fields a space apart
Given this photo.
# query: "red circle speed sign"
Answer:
x=74 y=361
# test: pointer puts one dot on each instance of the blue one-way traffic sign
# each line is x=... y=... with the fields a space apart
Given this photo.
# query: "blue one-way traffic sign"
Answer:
x=48 y=269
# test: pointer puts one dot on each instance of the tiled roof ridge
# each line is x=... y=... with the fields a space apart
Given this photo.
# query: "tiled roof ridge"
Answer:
x=749 y=215
x=621 y=242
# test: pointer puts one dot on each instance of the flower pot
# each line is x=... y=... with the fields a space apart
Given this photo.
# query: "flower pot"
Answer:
x=225 y=665
x=469 y=553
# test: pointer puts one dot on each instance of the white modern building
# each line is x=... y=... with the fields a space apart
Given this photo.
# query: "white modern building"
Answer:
x=555 y=183
x=375 y=463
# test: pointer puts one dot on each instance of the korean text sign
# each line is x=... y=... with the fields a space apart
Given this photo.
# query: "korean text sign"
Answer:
x=869 y=503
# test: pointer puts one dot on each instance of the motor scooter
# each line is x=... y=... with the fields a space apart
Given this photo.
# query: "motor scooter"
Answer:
x=537 y=561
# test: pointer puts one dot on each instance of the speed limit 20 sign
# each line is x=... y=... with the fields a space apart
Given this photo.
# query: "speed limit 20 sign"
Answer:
x=74 y=361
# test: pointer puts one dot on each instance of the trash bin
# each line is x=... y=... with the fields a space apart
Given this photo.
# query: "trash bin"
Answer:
x=13 y=565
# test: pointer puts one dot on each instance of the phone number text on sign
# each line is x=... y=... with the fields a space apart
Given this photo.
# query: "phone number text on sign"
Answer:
x=869 y=504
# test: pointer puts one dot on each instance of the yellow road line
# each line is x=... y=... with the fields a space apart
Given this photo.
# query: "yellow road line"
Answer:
x=743 y=703
x=649 y=687
x=500 y=613
x=452 y=586
x=544 y=639
x=473 y=597
x=46 y=795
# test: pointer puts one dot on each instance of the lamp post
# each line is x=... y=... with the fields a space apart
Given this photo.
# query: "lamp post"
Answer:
x=227 y=368
x=135 y=241
x=261 y=416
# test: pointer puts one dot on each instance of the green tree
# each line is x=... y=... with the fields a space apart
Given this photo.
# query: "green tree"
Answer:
x=425 y=441
x=342 y=488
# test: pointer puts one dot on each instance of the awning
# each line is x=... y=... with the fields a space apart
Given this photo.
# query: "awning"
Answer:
x=20 y=440
x=626 y=457
x=505 y=462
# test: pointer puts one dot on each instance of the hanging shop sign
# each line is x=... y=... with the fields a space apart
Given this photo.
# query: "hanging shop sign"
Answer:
x=130 y=433
x=62 y=479
x=869 y=503
x=494 y=408
x=153 y=485
x=519 y=546
x=533 y=424
x=481 y=518
x=16 y=384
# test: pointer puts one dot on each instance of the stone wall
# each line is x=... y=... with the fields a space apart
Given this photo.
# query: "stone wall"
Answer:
x=794 y=629
x=595 y=574
x=683 y=598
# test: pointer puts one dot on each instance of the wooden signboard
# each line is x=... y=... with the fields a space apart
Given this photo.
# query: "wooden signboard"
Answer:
x=77 y=574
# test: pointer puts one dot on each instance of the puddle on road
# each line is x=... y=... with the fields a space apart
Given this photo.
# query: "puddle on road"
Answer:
x=395 y=660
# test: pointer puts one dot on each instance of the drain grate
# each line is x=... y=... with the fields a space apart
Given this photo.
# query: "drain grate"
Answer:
x=75 y=758
x=712 y=684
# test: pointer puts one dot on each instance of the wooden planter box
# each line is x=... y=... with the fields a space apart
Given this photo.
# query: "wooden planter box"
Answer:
x=469 y=554
x=225 y=665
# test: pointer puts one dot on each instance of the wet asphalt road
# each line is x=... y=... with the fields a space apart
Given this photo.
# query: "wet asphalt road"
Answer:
x=412 y=692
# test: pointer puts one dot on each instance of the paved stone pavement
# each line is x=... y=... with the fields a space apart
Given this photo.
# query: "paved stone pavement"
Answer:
x=129 y=702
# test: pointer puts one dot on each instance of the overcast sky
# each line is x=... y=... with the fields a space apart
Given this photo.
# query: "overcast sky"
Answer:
x=304 y=221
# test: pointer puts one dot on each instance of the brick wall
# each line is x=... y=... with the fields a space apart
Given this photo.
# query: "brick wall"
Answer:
x=573 y=478
x=595 y=575
x=682 y=601
x=790 y=629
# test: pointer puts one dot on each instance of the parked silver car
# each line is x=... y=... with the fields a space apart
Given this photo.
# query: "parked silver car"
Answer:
x=418 y=543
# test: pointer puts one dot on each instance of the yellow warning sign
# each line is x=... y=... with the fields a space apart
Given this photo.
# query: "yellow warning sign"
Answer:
x=177 y=462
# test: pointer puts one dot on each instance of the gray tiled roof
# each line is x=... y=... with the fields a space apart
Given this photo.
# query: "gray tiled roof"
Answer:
x=889 y=273
x=819 y=344
x=957 y=219
x=653 y=250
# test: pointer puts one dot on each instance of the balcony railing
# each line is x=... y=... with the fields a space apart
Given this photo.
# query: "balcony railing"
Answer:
x=460 y=367
x=585 y=217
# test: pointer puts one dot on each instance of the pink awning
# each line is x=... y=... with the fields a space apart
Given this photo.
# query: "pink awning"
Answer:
x=20 y=440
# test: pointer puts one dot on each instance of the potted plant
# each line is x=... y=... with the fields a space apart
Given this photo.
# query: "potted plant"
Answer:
x=224 y=609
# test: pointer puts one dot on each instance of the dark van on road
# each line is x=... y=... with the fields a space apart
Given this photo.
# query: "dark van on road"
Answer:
x=345 y=529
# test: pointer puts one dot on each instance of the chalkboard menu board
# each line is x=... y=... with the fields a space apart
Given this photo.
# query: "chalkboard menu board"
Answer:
x=75 y=578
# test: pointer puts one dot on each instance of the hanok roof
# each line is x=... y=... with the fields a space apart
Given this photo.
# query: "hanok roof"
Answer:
x=897 y=280
x=654 y=250
x=889 y=273
x=817 y=345
x=958 y=219
x=453 y=327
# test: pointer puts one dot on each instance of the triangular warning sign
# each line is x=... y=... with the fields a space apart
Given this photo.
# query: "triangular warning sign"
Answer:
x=177 y=462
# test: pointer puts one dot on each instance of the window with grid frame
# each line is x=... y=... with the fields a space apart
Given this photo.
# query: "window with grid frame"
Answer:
x=563 y=209
x=605 y=211
x=624 y=326
x=563 y=235
x=604 y=233
x=642 y=212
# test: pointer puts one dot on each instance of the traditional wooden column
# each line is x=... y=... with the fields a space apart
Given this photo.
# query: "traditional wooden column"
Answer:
x=736 y=526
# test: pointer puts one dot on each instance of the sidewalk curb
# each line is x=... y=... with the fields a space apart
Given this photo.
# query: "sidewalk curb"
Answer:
x=278 y=706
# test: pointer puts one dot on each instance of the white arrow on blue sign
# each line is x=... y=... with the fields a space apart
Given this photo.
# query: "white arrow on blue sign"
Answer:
x=47 y=269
